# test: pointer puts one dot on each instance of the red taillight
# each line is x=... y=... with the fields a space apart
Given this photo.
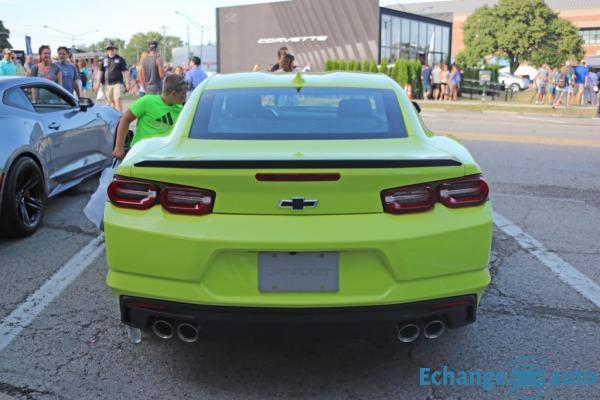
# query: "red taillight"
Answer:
x=455 y=193
x=466 y=192
x=142 y=195
x=132 y=193
x=408 y=199
x=184 y=200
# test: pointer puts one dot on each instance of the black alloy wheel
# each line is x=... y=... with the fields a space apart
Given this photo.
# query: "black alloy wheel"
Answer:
x=24 y=199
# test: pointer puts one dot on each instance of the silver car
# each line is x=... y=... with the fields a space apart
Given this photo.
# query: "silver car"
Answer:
x=49 y=142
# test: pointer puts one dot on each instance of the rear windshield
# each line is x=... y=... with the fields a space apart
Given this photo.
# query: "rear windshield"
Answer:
x=305 y=114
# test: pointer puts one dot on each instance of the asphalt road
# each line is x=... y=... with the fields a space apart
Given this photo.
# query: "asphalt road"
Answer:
x=544 y=174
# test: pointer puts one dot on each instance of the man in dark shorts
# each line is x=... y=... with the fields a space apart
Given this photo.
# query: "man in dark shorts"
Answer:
x=114 y=76
x=152 y=72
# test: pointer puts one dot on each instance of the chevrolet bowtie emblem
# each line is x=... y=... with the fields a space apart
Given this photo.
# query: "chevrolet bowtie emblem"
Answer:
x=297 y=203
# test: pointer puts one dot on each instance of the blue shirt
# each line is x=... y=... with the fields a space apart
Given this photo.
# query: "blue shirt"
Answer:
x=69 y=76
x=194 y=77
x=581 y=71
x=426 y=76
x=8 y=68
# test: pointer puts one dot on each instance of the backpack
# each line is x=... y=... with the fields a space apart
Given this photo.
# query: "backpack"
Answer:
x=562 y=81
x=83 y=78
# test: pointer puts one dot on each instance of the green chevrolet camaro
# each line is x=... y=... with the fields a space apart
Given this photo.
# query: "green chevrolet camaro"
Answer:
x=285 y=200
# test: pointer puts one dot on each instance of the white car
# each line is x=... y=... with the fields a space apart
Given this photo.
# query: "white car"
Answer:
x=512 y=82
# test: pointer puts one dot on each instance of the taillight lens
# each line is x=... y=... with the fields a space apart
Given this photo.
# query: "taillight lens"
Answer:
x=455 y=193
x=409 y=199
x=132 y=194
x=464 y=192
x=183 y=200
x=142 y=195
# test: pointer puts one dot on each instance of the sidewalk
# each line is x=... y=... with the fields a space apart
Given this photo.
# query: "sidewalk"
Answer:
x=506 y=107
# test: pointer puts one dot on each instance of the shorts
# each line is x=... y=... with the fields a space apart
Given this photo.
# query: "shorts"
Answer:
x=551 y=90
x=580 y=88
x=541 y=89
x=426 y=88
x=436 y=86
x=114 y=92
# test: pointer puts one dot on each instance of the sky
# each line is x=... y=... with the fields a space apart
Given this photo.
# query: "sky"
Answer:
x=91 y=21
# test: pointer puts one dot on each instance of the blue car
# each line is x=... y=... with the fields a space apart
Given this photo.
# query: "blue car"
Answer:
x=50 y=142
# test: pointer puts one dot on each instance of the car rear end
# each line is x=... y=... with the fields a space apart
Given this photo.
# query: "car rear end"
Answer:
x=299 y=207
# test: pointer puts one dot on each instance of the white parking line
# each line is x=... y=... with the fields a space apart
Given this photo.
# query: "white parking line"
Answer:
x=22 y=316
x=563 y=270
x=522 y=196
x=550 y=119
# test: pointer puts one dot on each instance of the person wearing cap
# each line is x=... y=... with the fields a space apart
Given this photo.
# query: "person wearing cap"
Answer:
x=581 y=77
x=195 y=75
x=114 y=76
x=155 y=114
x=152 y=72
x=7 y=66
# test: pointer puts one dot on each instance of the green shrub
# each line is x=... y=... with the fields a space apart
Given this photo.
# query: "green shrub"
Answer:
x=343 y=65
x=373 y=67
x=383 y=68
x=329 y=65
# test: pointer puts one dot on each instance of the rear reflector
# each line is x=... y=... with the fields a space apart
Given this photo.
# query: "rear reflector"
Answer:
x=132 y=193
x=185 y=200
x=297 y=177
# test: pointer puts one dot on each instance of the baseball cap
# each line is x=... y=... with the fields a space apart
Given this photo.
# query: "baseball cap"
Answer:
x=153 y=45
x=111 y=45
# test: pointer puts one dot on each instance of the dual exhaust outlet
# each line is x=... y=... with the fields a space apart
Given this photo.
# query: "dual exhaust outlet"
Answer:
x=185 y=331
x=410 y=331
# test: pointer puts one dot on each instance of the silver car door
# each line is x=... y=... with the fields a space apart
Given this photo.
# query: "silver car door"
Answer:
x=73 y=134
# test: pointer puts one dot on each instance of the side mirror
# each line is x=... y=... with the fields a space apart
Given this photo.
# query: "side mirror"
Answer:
x=85 y=103
x=417 y=106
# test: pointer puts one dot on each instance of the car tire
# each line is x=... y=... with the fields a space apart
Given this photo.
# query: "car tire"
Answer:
x=515 y=88
x=24 y=199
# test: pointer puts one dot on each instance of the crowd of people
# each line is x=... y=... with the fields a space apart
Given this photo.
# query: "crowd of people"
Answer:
x=566 y=85
x=109 y=79
x=441 y=82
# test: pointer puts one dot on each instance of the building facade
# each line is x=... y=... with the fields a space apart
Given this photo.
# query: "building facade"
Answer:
x=316 y=31
x=584 y=14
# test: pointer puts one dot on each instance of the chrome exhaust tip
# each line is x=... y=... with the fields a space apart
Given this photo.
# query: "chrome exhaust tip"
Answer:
x=163 y=329
x=408 y=333
x=434 y=329
x=187 y=332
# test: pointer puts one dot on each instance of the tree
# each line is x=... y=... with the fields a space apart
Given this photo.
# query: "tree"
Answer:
x=101 y=45
x=139 y=43
x=520 y=30
x=4 y=35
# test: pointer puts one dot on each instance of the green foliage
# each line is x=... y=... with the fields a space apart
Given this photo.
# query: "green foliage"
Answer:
x=401 y=75
x=343 y=65
x=329 y=65
x=366 y=66
x=351 y=65
x=101 y=45
x=520 y=30
x=139 y=43
x=4 y=35
x=383 y=68
x=373 y=68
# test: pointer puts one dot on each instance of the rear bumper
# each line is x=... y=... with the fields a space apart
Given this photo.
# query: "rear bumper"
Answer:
x=383 y=259
x=141 y=313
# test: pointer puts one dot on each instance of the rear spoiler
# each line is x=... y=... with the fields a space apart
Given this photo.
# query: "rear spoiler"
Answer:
x=296 y=164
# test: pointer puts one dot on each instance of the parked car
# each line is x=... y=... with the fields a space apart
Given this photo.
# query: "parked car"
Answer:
x=51 y=141
x=512 y=82
x=296 y=200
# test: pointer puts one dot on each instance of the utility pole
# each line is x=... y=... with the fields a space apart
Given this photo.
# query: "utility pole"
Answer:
x=164 y=43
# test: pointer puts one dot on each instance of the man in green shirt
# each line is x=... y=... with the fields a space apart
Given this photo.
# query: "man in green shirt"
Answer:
x=155 y=114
